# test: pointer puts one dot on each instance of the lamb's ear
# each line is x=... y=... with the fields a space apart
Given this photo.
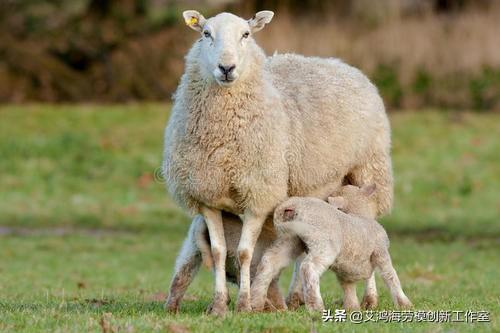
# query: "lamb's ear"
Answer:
x=194 y=20
x=368 y=190
x=337 y=202
x=260 y=20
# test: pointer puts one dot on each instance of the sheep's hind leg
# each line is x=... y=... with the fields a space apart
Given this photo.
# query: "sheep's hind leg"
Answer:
x=370 y=297
x=311 y=269
x=383 y=261
x=187 y=264
x=350 y=301
x=213 y=220
x=295 y=296
x=275 y=297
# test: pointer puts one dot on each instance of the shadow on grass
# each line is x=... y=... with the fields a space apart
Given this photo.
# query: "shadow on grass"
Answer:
x=443 y=234
x=99 y=306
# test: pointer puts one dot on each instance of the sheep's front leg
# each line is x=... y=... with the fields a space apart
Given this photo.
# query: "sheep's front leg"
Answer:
x=213 y=220
x=252 y=226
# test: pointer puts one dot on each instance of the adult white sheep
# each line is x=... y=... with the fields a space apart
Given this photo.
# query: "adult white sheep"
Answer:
x=247 y=131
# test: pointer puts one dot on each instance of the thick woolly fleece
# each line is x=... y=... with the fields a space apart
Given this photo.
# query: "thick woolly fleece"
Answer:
x=295 y=126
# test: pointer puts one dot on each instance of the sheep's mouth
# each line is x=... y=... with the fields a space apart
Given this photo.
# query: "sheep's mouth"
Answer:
x=225 y=82
x=227 y=79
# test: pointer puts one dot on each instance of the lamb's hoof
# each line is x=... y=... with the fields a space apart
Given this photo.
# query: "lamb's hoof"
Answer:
x=258 y=303
x=269 y=307
x=315 y=307
x=217 y=309
x=352 y=307
x=243 y=304
x=219 y=305
x=369 y=302
x=404 y=303
x=294 y=301
x=280 y=305
x=171 y=307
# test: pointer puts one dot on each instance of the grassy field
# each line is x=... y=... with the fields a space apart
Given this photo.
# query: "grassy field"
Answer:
x=88 y=236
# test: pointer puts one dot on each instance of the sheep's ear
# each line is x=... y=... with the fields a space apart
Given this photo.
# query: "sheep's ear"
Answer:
x=260 y=20
x=194 y=20
x=337 y=202
x=368 y=190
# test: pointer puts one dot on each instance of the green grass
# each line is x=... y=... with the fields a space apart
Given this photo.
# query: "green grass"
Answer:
x=87 y=232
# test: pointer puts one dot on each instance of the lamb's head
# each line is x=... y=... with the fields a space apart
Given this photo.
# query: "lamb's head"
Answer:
x=356 y=200
x=226 y=43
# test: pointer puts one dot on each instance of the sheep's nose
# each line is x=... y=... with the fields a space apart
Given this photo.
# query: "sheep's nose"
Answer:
x=226 y=69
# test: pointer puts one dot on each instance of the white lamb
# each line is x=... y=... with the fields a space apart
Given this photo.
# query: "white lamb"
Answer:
x=341 y=236
x=247 y=131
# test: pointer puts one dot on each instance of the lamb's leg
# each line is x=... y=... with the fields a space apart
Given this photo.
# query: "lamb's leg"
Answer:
x=213 y=220
x=350 y=301
x=186 y=266
x=377 y=170
x=383 y=262
x=277 y=256
x=311 y=269
x=275 y=296
x=295 y=296
x=252 y=226
x=370 y=297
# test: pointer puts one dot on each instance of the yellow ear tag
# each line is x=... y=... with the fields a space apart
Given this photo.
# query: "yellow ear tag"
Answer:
x=192 y=21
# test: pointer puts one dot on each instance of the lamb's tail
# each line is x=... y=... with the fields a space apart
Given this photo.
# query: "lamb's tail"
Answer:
x=300 y=229
x=203 y=241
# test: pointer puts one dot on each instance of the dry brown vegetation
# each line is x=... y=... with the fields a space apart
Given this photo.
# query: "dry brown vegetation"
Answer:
x=441 y=60
x=420 y=53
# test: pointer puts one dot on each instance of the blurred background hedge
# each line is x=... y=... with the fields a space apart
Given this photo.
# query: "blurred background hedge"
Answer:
x=420 y=53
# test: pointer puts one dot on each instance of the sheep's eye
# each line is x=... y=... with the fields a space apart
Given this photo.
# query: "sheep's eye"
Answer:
x=206 y=34
x=246 y=34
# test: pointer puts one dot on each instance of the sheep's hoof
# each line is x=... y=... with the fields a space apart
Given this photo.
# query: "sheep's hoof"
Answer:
x=294 y=301
x=218 y=306
x=404 y=303
x=217 y=309
x=171 y=307
x=315 y=307
x=258 y=305
x=369 y=302
x=352 y=307
x=243 y=304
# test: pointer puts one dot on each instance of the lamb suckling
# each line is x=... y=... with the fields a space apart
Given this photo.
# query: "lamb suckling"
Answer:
x=340 y=235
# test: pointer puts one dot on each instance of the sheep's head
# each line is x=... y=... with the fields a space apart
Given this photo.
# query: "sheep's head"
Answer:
x=356 y=200
x=225 y=43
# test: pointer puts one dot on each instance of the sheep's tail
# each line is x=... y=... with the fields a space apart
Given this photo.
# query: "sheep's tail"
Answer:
x=203 y=241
